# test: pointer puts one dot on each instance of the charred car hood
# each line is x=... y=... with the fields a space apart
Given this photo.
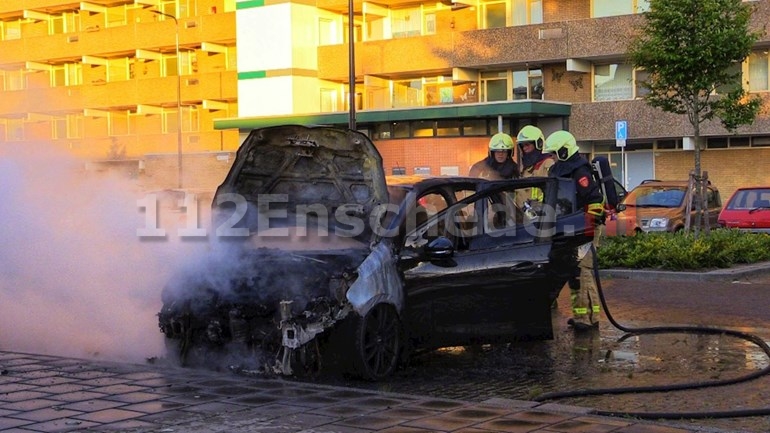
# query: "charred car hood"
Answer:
x=284 y=171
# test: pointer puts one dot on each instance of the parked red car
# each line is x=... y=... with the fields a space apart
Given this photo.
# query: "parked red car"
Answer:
x=748 y=209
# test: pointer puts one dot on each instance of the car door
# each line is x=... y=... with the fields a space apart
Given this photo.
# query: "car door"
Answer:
x=497 y=284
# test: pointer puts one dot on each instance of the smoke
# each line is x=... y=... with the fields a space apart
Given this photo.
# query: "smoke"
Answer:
x=75 y=278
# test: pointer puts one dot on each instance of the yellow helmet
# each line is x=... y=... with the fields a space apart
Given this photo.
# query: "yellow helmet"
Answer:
x=531 y=134
x=500 y=141
x=562 y=143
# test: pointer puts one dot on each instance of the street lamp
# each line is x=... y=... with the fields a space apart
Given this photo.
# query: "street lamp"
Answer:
x=178 y=96
x=351 y=69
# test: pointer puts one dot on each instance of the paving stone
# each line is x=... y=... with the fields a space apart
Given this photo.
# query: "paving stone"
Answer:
x=31 y=404
x=255 y=400
x=7 y=388
x=648 y=428
x=50 y=380
x=110 y=415
x=155 y=406
x=442 y=422
x=46 y=414
x=65 y=388
x=8 y=423
x=511 y=425
x=216 y=407
x=232 y=390
x=59 y=425
x=381 y=402
x=22 y=395
x=77 y=396
x=91 y=405
x=374 y=421
x=439 y=404
x=136 y=397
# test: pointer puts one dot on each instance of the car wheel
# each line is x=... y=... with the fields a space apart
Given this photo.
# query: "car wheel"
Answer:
x=378 y=341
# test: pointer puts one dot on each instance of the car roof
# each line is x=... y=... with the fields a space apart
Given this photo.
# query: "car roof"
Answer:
x=427 y=181
x=747 y=188
x=656 y=182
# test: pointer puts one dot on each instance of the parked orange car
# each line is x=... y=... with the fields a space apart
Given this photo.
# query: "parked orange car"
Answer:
x=661 y=206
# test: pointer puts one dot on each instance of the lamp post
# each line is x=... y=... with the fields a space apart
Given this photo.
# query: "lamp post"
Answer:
x=178 y=96
x=351 y=69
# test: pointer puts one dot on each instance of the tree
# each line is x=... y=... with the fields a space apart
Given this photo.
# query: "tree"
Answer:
x=692 y=51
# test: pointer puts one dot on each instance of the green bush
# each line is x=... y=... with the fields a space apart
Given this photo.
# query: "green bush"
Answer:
x=721 y=248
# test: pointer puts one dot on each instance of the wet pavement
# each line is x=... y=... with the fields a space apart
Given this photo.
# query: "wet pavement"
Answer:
x=51 y=394
x=40 y=393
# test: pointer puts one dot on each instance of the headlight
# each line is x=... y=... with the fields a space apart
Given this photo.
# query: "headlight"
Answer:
x=659 y=223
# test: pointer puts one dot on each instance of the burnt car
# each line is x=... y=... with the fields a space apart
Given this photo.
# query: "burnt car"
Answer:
x=319 y=259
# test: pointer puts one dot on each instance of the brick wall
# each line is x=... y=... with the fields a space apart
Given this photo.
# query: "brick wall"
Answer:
x=566 y=86
x=566 y=10
x=461 y=152
x=727 y=169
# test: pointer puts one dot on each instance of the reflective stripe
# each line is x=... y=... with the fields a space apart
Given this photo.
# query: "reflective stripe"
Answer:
x=580 y=311
x=596 y=309
x=537 y=194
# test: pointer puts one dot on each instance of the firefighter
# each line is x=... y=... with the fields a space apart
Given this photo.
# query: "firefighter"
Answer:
x=534 y=163
x=569 y=163
x=499 y=163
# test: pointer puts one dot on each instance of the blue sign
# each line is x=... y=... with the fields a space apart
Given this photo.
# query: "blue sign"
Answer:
x=621 y=130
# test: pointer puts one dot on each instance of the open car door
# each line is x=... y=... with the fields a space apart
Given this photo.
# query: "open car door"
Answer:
x=487 y=268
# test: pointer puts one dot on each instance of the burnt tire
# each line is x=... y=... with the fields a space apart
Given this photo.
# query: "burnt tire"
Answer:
x=378 y=342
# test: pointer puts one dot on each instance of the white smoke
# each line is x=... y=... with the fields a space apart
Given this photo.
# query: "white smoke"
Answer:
x=75 y=278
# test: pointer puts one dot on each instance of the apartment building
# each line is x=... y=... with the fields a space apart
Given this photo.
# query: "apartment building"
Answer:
x=434 y=79
x=141 y=83
x=119 y=83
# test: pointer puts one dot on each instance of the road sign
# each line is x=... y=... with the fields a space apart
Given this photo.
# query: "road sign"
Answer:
x=621 y=133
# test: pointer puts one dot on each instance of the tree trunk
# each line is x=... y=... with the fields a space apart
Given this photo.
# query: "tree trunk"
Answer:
x=698 y=181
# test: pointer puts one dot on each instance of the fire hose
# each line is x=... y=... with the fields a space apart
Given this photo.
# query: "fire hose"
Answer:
x=670 y=387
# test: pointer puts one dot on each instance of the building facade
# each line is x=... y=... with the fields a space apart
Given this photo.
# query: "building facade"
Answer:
x=433 y=80
x=119 y=83
x=139 y=83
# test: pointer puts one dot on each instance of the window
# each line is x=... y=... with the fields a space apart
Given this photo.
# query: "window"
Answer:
x=494 y=86
x=527 y=12
x=117 y=69
x=448 y=128
x=67 y=74
x=535 y=81
x=115 y=16
x=423 y=128
x=640 y=76
x=12 y=80
x=11 y=29
x=613 y=82
x=494 y=15
x=406 y=22
x=327 y=32
x=328 y=100
x=475 y=127
x=430 y=22
x=15 y=130
x=66 y=22
x=758 y=71
x=607 y=8
x=407 y=93
x=118 y=123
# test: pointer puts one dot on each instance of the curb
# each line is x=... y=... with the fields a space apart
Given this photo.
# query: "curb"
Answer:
x=736 y=273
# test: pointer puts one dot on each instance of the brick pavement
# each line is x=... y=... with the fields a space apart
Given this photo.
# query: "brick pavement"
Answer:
x=41 y=393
